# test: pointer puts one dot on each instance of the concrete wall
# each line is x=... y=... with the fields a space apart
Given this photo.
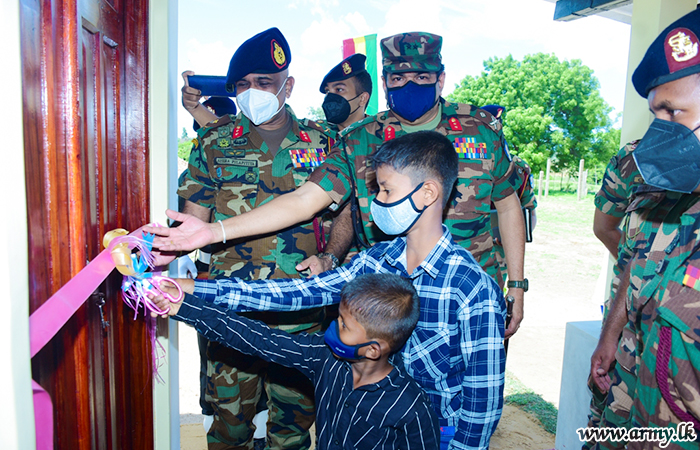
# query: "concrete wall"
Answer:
x=574 y=397
x=163 y=103
x=16 y=408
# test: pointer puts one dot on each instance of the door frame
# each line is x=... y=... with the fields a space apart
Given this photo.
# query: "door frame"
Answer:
x=164 y=101
x=17 y=412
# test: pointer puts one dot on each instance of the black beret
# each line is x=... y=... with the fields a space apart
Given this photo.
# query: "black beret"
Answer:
x=221 y=107
x=266 y=52
x=351 y=66
x=674 y=54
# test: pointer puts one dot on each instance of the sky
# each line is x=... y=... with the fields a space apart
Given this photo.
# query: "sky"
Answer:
x=209 y=32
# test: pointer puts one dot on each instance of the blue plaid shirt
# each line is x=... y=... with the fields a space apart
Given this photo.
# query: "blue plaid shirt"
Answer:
x=455 y=353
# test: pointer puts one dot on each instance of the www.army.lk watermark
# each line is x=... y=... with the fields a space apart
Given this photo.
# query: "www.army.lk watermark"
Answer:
x=683 y=433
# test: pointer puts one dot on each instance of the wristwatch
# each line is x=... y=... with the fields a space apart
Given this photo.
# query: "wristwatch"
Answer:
x=522 y=284
x=334 y=259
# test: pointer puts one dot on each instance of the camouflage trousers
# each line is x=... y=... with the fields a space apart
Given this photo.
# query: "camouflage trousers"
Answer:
x=612 y=410
x=235 y=384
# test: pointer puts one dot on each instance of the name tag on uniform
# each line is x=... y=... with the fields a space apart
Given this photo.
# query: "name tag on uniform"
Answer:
x=467 y=148
x=692 y=278
x=307 y=157
x=234 y=162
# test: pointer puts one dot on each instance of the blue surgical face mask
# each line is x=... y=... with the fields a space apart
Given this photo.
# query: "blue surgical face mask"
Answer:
x=412 y=100
x=668 y=157
x=332 y=338
x=397 y=217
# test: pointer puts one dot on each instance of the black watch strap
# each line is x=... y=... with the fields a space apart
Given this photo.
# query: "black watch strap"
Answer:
x=522 y=284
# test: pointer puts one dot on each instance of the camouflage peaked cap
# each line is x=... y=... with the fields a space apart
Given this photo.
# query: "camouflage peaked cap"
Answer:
x=410 y=52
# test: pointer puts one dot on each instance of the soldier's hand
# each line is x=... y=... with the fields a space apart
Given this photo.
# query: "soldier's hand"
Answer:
x=601 y=361
x=192 y=233
x=190 y=95
x=518 y=312
x=315 y=265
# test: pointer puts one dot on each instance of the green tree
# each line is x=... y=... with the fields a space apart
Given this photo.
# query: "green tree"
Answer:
x=316 y=113
x=553 y=109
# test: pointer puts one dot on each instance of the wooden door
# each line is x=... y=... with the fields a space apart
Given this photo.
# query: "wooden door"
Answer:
x=85 y=114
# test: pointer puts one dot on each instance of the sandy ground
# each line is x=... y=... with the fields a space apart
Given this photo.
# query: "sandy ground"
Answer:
x=565 y=285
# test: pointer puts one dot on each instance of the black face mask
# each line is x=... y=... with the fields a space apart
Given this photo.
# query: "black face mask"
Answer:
x=668 y=157
x=336 y=108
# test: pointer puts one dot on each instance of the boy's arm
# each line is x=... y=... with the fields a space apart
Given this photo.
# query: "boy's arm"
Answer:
x=482 y=331
x=288 y=294
x=302 y=352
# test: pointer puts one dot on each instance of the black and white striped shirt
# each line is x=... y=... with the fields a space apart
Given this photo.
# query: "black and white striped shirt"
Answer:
x=394 y=413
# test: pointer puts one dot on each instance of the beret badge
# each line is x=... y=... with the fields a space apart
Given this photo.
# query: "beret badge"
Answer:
x=278 y=55
x=683 y=45
x=346 y=68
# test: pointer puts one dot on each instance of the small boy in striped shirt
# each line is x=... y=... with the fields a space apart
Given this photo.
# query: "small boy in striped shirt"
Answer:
x=362 y=401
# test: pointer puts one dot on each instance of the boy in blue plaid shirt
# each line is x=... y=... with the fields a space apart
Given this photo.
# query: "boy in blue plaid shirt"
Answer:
x=456 y=352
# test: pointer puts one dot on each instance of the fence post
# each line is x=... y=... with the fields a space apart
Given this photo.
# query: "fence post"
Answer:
x=581 y=179
x=546 y=183
x=539 y=184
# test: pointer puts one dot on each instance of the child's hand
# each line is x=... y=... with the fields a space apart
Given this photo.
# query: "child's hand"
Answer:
x=163 y=303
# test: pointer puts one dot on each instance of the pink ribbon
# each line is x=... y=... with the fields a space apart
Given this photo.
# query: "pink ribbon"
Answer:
x=49 y=318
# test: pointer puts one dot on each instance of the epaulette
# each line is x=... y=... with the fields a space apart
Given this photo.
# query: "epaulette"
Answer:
x=223 y=120
x=317 y=125
x=359 y=124
x=465 y=109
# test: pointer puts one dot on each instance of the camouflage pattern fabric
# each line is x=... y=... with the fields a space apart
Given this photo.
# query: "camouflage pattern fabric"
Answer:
x=408 y=52
x=525 y=189
x=620 y=179
x=619 y=182
x=670 y=283
x=231 y=170
x=485 y=173
x=660 y=242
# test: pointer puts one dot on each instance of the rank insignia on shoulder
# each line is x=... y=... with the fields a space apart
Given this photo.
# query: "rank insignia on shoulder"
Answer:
x=304 y=136
x=307 y=157
x=238 y=132
x=454 y=124
x=692 y=277
x=389 y=133
x=223 y=142
x=467 y=148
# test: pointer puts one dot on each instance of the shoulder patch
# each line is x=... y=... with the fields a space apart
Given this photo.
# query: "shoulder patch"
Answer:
x=454 y=124
x=389 y=133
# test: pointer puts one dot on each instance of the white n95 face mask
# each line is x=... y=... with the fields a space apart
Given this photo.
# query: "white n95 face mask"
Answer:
x=398 y=217
x=259 y=106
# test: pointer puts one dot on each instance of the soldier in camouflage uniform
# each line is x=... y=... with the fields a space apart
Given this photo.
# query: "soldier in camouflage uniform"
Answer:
x=656 y=381
x=413 y=79
x=620 y=181
x=526 y=195
x=413 y=70
x=235 y=166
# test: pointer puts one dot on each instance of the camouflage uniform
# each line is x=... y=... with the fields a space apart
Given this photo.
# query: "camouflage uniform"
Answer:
x=619 y=183
x=662 y=242
x=485 y=173
x=526 y=194
x=231 y=171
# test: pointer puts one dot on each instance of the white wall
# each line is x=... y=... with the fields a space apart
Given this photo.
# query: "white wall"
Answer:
x=163 y=103
x=16 y=407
